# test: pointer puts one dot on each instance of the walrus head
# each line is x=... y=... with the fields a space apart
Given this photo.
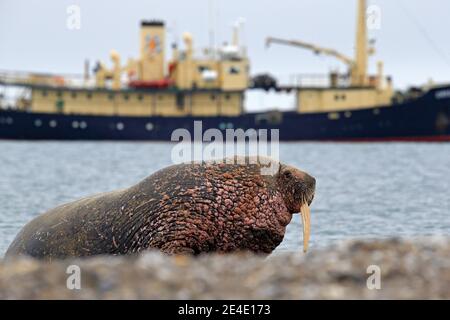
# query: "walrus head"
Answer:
x=297 y=188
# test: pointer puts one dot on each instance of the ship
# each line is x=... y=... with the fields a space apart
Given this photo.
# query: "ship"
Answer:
x=148 y=98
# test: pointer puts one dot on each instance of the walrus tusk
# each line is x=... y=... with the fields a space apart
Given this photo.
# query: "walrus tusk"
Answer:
x=306 y=220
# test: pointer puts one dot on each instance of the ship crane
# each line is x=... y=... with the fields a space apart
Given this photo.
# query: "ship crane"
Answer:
x=316 y=49
x=358 y=65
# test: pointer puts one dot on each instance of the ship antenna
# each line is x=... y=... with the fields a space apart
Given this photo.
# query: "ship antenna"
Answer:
x=211 y=27
x=438 y=50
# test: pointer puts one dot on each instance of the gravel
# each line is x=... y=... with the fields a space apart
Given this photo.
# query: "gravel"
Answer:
x=410 y=269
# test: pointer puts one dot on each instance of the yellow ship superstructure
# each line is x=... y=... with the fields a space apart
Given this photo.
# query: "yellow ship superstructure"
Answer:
x=354 y=90
x=168 y=87
x=208 y=85
x=211 y=82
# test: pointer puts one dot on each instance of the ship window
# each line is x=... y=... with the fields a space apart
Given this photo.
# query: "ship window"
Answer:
x=111 y=96
x=233 y=70
x=336 y=97
x=83 y=125
x=227 y=96
x=213 y=97
x=44 y=93
x=202 y=68
x=74 y=95
x=59 y=94
x=89 y=95
x=120 y=126
x=53 y=123
x=160 y=97
x=126 y=96
x=149 y=126
x=343 y=97
x=140 y=97
x=180 y=101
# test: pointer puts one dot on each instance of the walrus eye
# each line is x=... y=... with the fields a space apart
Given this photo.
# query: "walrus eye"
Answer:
x=287 y=174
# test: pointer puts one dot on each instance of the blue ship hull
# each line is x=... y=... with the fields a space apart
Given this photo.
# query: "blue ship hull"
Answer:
x=423 y=119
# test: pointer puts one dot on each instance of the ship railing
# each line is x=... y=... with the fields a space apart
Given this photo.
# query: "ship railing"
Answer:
x=319 y=80
x=20 y=78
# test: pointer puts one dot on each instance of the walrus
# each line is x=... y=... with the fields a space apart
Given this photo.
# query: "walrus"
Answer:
x=188 y=208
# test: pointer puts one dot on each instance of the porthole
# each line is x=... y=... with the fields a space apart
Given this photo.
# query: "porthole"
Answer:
x=120 y=126
x=347 y=114
x=222 y=126
x=38 y=122
x=52 y=123
x=376 y=111
x=230 y=125
x=89 y=95
x=83 y=125
x=333 y=116
x=126 y=96
x=9 y=120
x=149 y=126
x=44 y=93
x=111 y=96
x=59 y=94
x=140 y=97
x=74 y=95
x=213 y=97
x=75 y=124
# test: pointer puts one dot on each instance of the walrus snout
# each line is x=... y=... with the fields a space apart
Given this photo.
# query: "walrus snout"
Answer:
x=298 y=189
x=307 y=187
x=310 y=182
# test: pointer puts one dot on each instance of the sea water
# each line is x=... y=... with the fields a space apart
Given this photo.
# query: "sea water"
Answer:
x=365 y=191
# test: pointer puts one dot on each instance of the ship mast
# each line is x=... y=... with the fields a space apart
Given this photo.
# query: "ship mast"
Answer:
x=358 y=64
x=359 y=74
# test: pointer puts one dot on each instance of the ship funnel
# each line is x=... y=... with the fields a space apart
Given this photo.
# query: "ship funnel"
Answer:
x=152 y=39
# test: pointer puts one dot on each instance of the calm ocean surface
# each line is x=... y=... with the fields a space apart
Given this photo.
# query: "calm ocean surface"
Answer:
x=363 y=190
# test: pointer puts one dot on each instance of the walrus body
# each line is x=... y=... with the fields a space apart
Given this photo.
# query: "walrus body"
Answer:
x=186 y=208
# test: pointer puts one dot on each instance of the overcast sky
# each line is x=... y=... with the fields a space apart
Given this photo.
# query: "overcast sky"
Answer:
x=413 y=40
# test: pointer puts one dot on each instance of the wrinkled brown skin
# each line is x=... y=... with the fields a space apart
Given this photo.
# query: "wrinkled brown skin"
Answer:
x=187 y=208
